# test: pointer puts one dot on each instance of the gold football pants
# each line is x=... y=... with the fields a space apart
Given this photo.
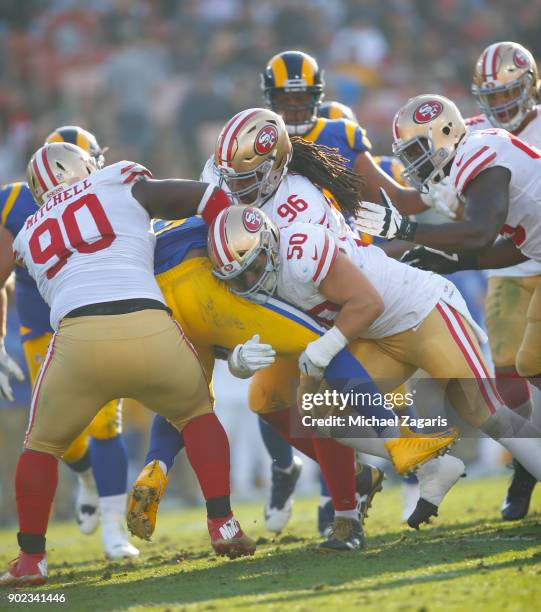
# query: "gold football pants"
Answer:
x=95 y=360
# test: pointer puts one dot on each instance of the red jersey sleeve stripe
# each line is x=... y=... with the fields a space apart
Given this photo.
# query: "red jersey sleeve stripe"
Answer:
x=476 y=170
x=326 y=261
x=471 y=160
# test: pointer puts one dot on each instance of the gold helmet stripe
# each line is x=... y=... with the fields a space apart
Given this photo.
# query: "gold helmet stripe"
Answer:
x=334 y=112
x=13 y=194
x=307 y=71
x=279 y=70
x=55 y=137
x=82 y=141
x=316 y=130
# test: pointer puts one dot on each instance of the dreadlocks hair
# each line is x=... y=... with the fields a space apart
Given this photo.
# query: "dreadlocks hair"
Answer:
x=327 y=169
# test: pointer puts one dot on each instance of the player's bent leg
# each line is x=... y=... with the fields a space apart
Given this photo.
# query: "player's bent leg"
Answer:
x=388 y=368
x=77 y=456
x=53 y=424
x=507 y=303
x=470 y=388
x=184 y=398
x=165 y=443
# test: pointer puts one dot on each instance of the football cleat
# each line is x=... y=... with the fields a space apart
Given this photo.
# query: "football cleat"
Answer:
x=435 y=480
x=144 y=500
x=27 y=570
x=86 y=507
x=412 y=449
x=278 y=511
x=517 y=502
x=325 y=519
x=368 y=481
x=115 y=540
x=346 y=534
x=228 y=539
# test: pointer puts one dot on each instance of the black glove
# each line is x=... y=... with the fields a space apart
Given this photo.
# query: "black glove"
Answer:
x=441 y=262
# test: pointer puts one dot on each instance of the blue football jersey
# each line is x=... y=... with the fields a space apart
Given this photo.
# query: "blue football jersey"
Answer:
x=16 y=204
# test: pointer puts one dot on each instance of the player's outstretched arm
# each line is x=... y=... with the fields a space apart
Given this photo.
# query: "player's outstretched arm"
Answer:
x=178 y=199
x=501 y=255
x=487 y=202
x=407 y=199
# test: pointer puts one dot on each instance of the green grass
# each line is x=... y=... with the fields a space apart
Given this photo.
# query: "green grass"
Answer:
x=467 y=560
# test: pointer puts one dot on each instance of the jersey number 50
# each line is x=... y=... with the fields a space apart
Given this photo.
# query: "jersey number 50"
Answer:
x=50 y=233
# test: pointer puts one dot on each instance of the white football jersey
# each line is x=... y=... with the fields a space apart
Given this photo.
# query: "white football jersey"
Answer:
x=308 y=251
x=298 y=200
x=532 y=135
x=91 y=242
x=482 y=149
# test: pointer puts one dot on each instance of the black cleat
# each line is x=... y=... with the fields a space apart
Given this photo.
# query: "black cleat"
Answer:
x=346 y=534
x=517 y=502
x=422 y=513
x=368 y=481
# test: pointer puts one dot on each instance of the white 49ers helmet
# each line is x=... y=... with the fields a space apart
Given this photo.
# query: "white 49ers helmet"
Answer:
x=244 y=248
x=426 y=131
x=252 y=154
x=55 y=166
x=505 y=84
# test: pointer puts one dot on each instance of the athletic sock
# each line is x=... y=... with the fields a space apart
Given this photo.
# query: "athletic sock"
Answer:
x=110 y=465
x=207 y=448
x=337 y=464
x=36 y=480
x=165 y=442
x=279 y=449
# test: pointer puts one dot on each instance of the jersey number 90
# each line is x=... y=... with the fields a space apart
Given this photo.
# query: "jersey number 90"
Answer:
x=50 y=233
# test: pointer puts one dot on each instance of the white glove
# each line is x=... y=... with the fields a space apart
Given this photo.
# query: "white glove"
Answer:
x=318 y=354
x=247 y=358
x=309 y=368
x=384 y=220
x=8 y=368
x=442 y=197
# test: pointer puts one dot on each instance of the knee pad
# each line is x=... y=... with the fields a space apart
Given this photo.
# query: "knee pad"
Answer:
x=108 y=422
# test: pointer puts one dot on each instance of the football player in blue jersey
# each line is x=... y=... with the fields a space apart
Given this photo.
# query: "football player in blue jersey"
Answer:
x=293 y=86
x=99 y=452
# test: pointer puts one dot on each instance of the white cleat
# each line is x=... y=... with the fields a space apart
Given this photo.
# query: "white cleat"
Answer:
x=410 y=497
x=436 y=477
x=115 y=542
x=86 y=506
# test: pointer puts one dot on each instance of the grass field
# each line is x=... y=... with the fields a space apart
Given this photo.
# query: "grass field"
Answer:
x=467 y=560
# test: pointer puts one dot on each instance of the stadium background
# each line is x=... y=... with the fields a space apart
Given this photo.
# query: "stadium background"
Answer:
x=156 y=79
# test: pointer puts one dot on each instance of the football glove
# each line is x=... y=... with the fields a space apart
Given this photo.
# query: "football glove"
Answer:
x=442 y=197
x=441 y=262
x=8 y=368
x=309 y=368
x=247 y=358
x=384 y=220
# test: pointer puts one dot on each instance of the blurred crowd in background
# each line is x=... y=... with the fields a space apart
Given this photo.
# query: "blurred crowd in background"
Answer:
x=156 y=79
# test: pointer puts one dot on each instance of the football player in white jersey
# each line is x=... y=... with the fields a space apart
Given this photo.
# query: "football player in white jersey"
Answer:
x=497 y=175
x=367 y=300
x=90 y=248
x=505 y=84
x=259 y=164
